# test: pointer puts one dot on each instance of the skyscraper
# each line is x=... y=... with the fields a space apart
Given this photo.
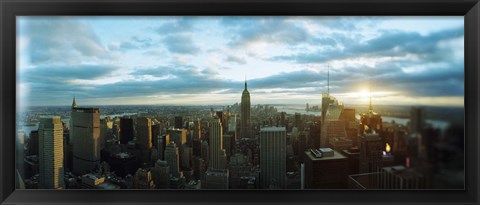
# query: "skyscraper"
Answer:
x=163 y=141
x=273 y=157
x=325 y=169
x=217 y=153
x=179 y=136
x=144 y=137
x=417 y=120
x=178 y=122
x=371 y=148
x=126 y=130
x=172 y=157
x=198 y=130
x=245 y=114
x=85 y=134
x=106 y=132
x=161 y=174
x=50 y=132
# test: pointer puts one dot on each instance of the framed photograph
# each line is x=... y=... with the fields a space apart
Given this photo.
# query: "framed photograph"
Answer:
x=239 y=102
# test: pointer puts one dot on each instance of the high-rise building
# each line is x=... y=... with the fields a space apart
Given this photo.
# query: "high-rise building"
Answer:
x=32 y=143
x=205 y=151
x=371 y=152
x=156 y=132
x=20 y=153
x=232 y=125
x=143 y=179
x=371 y=122
x=178 y=122
x=126 y=130
x=197 y=131
x=85 y=134
x=179 y=136
x=106 y=132
x=353 y=155
x=217 y=154
x=162 y=175
x=163 y=141
x=273 y=157
x=144 y=137
x=50 y=133
x=325 y=169
x=331 y=123
x=216 y=179
x=173 y=158
x=187 y=157
x=333 y=129
x=245 y=114
x=228 y=143
x=417 y=120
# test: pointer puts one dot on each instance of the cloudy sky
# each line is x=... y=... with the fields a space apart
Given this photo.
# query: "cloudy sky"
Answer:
x=205 y=60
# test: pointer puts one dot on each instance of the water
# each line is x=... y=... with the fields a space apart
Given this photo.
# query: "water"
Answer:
x=292 y=109
x=31 y=127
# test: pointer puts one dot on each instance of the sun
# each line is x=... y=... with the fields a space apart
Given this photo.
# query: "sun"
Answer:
x=364 y=93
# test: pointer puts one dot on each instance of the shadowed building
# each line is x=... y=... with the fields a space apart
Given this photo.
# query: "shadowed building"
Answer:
x=371 y=152
x=143 y=179
x=144 y=137
x=85 y=134
x=325 y=169
x=178 y=122
x=179 y=136
x=126 y=130
x=216 y=179
x=161 y=175
x=273 y=157
x=173 y=159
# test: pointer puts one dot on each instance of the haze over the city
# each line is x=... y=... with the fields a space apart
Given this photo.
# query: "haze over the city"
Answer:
x=205 y=60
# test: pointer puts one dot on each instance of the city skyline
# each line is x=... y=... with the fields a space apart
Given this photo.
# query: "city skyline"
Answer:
x=205 y=60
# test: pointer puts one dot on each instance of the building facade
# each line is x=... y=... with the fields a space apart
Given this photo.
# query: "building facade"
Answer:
x=273 y=157
x=245 y=122
x=51 y=166
x=85 y=134
x=144 y=137
x=173 y=159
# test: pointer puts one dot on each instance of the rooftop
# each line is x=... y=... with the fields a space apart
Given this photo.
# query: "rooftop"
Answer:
x=272 y=129
x=87 y=110
x=336 y=156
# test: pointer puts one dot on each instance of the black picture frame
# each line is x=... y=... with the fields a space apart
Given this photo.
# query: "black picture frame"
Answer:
x=9 y=9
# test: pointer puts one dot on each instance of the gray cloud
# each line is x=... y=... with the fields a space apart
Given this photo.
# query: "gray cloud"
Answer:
x=235 y=59
x=181 y=44
x=243 y=30
x=389 y=43
x=64 y=43
x=61 y=39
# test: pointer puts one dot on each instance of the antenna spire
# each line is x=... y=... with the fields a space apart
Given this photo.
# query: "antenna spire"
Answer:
x=328 y=79
x=370 y=107
x=245 y=81
x=74 y=104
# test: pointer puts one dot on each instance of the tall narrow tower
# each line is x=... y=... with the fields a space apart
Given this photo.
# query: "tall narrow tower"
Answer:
x=144 y=137
x=51 y=166
x=217 y=153
x=245 y=114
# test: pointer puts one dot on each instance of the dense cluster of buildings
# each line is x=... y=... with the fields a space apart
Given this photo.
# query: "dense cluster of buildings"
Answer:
x=242 y=147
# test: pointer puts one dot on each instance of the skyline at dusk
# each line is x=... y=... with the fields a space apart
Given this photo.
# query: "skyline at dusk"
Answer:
x=205 y=60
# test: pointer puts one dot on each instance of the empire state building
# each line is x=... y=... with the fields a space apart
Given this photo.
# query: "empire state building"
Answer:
x=245 y=114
